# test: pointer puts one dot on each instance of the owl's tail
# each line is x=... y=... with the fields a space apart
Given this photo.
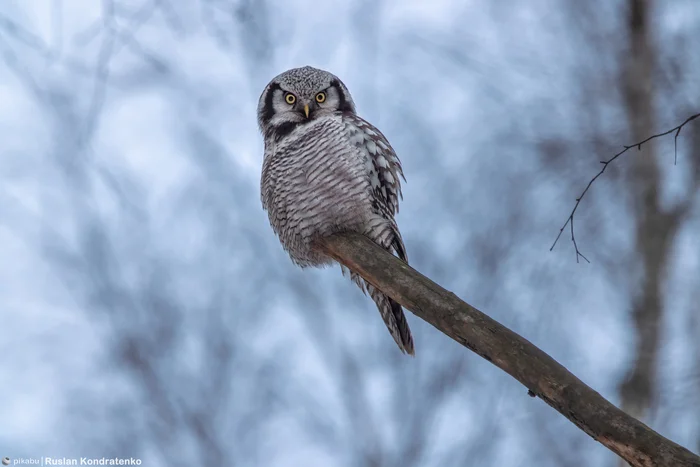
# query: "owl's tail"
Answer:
x=394 y=318
x=391 y=311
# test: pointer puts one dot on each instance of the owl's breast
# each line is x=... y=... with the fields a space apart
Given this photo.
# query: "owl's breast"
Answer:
x=315 y=183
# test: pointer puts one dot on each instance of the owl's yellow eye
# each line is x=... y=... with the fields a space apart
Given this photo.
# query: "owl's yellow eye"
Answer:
x=321 y=97
x=290 y=98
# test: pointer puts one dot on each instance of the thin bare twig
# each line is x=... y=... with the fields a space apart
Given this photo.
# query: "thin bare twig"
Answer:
x=570 y=219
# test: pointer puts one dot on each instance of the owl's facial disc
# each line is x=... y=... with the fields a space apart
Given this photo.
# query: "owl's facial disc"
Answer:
x=300 y=95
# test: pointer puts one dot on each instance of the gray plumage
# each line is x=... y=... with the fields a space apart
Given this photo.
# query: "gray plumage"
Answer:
x=327 y=170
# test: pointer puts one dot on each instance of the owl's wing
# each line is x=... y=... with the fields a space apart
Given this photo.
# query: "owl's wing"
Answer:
x=384 y=169
x=271 y=191
x=266 y=181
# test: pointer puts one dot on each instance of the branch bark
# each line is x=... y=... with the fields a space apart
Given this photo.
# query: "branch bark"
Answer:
x=544 y=377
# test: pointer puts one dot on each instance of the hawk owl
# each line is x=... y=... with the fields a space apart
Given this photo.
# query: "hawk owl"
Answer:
x=327 y=170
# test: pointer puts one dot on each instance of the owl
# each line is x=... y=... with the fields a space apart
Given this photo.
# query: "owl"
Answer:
x=327 y=170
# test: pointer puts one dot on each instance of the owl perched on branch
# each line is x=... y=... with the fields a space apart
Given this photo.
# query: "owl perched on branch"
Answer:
x=327 y=170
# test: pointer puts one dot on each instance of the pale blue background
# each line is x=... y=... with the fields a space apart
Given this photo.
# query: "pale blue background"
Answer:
x=147 y=310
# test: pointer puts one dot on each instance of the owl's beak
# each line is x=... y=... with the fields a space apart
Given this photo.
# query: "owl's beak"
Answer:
x=306 y=110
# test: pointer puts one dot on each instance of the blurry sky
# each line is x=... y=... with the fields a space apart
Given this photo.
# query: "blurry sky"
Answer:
x=148 y=310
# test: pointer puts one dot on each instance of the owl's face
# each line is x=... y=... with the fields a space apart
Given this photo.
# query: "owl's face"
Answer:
x=298 y=96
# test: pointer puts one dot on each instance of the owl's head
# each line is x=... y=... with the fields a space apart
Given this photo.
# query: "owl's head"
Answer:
x=299 y=95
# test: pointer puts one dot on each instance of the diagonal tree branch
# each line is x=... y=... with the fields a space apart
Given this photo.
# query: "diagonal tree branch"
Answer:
x=570 y=219
x=544 y=377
